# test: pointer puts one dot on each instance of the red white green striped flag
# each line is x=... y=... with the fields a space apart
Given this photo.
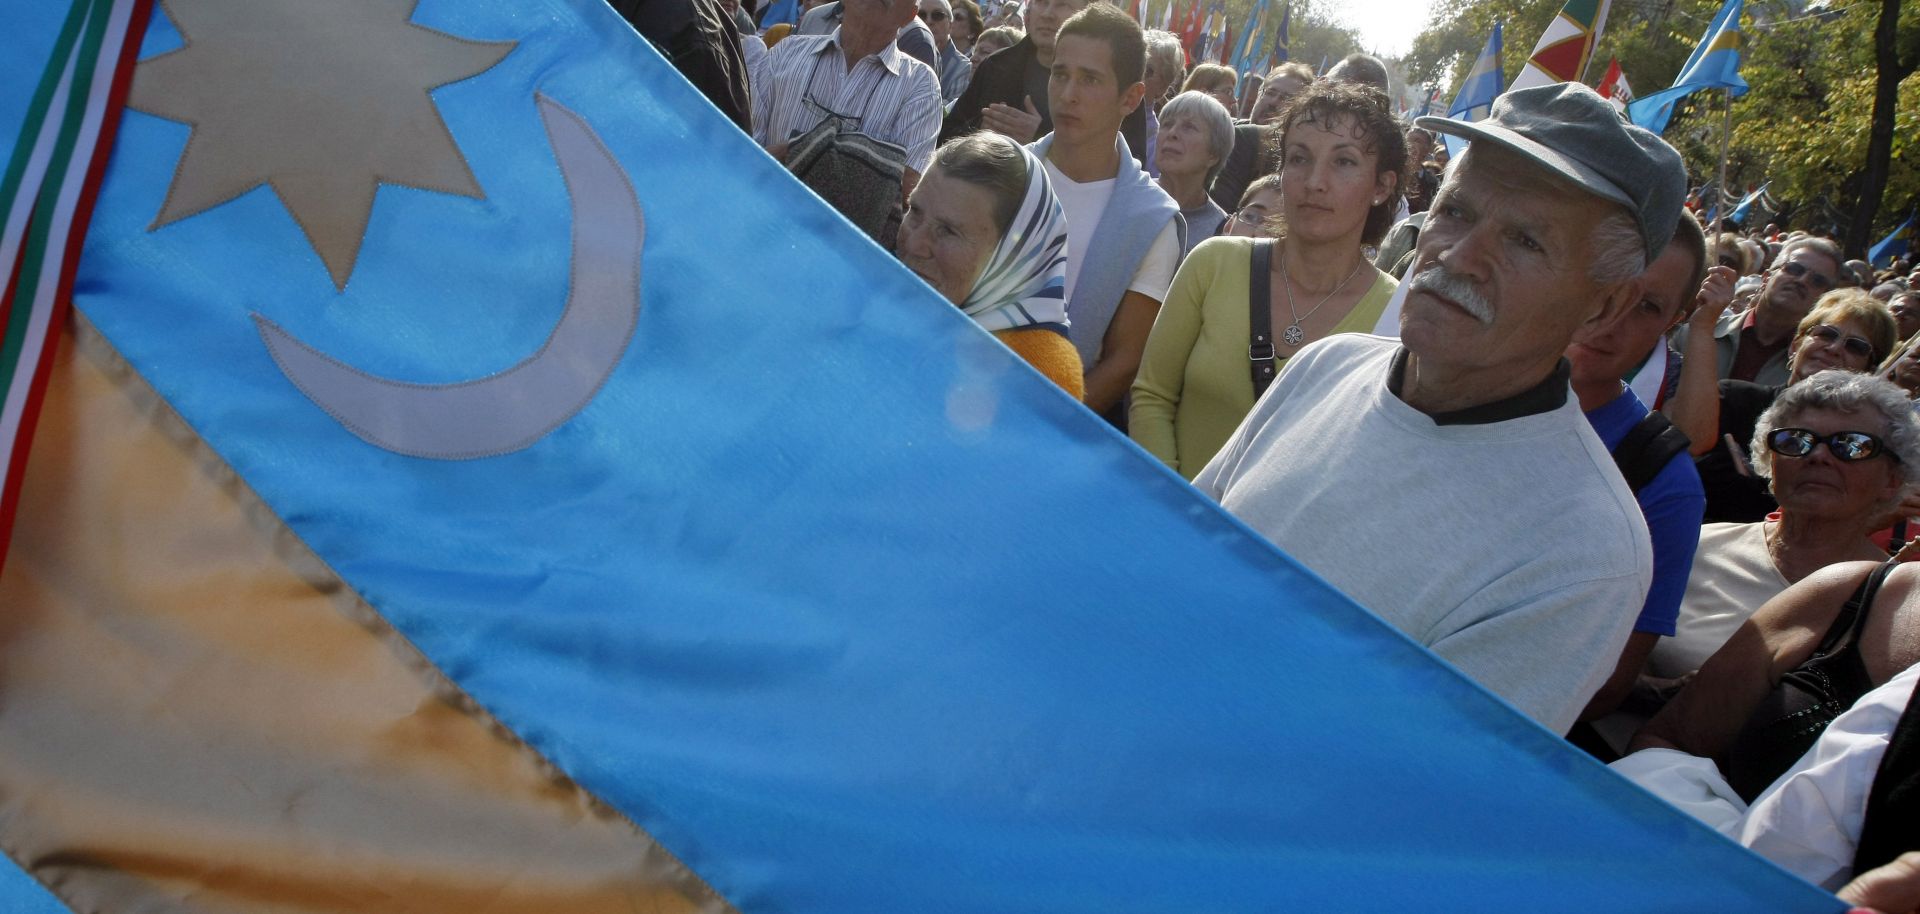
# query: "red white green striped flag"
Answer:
x=46 y=196
x=1563 y=50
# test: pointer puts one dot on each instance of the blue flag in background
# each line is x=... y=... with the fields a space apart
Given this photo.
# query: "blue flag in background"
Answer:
x=664 y=468
x=1714 y=64
x=1251 y=48
x=1894 y=245
x=1282 y=42
x=1745 y=208
x=1483 y=84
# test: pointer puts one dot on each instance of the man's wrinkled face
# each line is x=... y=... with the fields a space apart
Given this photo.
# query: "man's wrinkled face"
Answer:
x=1502 y=278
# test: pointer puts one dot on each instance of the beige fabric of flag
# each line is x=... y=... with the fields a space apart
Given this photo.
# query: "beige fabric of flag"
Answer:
x=197 y=715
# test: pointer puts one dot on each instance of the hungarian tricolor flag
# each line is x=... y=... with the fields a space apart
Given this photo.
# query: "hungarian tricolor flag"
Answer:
x=1613 y=86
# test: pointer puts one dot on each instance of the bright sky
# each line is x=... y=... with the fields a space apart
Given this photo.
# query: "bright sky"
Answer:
x=1386 y=27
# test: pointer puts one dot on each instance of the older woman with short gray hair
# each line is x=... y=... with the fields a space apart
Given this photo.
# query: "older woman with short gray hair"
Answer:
x=1840 y=450
x=1196 y=133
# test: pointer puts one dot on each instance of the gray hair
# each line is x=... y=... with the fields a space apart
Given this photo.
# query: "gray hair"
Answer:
x=1619 y=253
x=1213 y=116
x=1844 y=391
x=1166 y=55
x=1813 y=243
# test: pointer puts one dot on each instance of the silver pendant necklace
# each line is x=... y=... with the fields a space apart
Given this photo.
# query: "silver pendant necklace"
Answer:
x=1294 y=332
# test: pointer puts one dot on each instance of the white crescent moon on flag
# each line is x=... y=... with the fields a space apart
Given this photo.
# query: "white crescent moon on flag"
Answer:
x=508 y=411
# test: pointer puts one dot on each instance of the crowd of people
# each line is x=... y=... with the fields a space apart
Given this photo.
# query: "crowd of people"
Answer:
x=1647 y=479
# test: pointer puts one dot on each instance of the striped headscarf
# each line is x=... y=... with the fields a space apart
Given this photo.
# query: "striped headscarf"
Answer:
x=1025 y=282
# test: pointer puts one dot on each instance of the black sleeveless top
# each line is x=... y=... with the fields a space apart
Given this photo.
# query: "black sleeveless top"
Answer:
x=1792 y=716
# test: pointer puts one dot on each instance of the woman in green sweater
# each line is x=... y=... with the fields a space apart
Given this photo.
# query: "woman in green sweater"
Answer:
x=1343 y=163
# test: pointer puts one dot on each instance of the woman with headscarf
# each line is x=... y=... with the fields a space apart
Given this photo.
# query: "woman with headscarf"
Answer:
x=985 y=230
x=1239 y=308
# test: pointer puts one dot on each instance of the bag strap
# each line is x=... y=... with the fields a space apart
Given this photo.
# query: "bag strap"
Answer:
x=1846 y=625
x=1261 y=356
x=1647 y=448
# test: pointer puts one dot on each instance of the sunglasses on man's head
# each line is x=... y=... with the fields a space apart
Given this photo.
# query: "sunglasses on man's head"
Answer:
x=1855 y=346
x=1799 y=270
x=1845 y=446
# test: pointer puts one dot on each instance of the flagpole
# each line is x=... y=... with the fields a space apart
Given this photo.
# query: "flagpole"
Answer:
x=1726 y=146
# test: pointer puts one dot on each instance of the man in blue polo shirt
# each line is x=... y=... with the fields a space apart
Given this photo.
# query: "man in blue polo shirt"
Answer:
x=1663 y=478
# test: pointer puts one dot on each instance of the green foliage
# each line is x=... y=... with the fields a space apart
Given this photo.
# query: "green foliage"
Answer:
x=1803 y=126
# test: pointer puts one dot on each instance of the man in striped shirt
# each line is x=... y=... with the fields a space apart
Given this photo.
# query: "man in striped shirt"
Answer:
x=857 y=72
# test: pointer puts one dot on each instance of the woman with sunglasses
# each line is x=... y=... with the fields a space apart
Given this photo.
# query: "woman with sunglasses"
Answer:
x=1836 y=446
x=1343 y=164
x=1847 y=329
x=1838 y=450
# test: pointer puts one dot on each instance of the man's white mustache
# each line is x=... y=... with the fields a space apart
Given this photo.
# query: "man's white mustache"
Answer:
x=1437 y=280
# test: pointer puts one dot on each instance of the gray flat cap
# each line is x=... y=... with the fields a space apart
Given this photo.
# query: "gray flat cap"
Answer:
x=1570 y=130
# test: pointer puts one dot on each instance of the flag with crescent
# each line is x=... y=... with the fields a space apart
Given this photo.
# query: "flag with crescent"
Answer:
x=473 y=476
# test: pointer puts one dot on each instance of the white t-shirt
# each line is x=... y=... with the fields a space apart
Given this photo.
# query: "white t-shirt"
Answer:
x=1084 y=204
x=1809 y=820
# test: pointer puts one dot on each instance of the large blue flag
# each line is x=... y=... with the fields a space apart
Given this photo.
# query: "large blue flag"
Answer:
x=1484 y=83
x=573 y=427
x=1714 y=64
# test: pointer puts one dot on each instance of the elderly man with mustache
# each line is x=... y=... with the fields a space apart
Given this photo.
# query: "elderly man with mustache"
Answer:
x=1447 y=480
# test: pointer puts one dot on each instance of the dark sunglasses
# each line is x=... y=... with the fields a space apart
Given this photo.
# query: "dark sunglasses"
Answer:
x=934 y=15
x=1800 y=270
x=1733 y=262
x=1854 y=345
x=1846 y=447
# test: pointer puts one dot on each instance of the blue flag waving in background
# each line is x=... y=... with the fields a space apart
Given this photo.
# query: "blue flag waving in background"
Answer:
x=1714 y=64
x=1745 y=208
x=1483 y=84
x=477 y=477
x=1894 y=245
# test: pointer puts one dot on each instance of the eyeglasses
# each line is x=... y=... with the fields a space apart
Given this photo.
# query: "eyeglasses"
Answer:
x=1252 y=216
x=1855 y=346
x=1846 y=447
x=1730 y=261
x=934 y=15
x=1798 y=270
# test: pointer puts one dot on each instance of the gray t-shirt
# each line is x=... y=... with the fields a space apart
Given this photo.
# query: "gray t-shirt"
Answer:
x=1511 y=548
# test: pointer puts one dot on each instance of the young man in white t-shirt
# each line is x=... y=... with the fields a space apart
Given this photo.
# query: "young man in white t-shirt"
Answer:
x=1127 y=261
